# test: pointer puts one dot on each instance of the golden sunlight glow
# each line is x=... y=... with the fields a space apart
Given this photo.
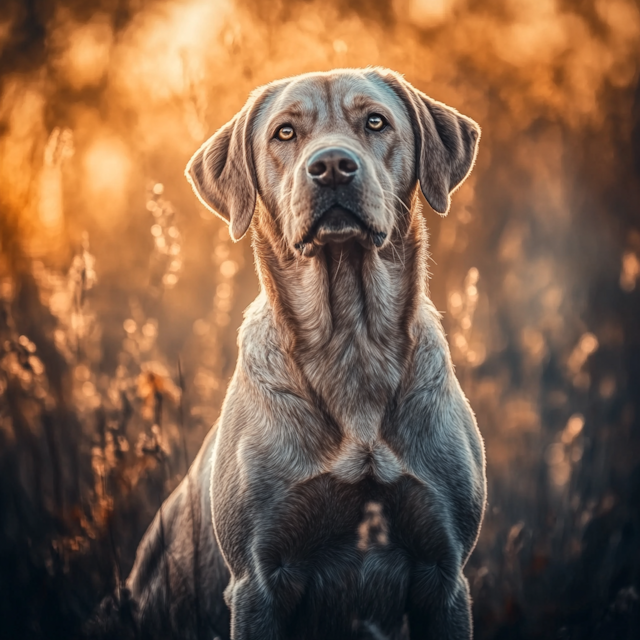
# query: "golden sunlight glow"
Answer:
x=151 y=58
x=107 y=168
x=94 y=137
x=85 y=51
x=430 y=13
x=59 y=148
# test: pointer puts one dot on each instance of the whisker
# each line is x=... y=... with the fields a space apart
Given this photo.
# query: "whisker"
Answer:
x=397 y=197
x=401 y=260
x=339 y=263
x=393 y=247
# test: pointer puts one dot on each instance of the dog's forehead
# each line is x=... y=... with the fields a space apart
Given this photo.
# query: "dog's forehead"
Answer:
x=333 y=95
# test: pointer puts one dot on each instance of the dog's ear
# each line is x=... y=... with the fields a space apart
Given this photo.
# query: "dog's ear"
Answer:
x=446 y=143
x=221 y=172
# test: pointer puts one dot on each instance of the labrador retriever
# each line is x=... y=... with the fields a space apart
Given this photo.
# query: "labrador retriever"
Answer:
x=342 y=490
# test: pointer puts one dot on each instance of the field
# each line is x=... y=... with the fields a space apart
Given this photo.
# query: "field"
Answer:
x=120 y=296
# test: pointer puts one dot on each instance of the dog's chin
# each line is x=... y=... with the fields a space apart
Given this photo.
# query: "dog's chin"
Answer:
x=338 y=225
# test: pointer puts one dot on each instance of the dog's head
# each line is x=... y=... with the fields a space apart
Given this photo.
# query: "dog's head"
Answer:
x=334 y=156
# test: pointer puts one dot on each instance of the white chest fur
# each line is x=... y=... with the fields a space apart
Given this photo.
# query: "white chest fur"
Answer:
x=357 y=460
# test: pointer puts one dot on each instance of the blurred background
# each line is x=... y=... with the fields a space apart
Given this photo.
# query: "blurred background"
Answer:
x=120 y=296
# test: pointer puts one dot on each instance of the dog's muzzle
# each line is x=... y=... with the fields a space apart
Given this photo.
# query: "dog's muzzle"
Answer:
x=332 y=170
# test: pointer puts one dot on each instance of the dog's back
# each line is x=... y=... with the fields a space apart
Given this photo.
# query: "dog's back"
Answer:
x=177 y=582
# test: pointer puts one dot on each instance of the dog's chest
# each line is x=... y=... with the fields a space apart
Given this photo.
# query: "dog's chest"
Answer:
x=357 y=461
x=356 y=382
x=356 y=376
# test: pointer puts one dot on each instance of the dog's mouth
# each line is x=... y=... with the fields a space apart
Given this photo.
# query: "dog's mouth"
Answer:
x=337 y=225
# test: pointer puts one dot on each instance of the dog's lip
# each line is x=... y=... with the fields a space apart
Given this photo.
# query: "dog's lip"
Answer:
x=336 y=224
x=339 y=224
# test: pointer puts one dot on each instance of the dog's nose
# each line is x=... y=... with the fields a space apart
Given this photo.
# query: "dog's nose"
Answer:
x=332 y=167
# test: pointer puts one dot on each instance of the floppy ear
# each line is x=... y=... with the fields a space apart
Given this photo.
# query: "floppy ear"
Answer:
x=446 y=144
x=221 y=173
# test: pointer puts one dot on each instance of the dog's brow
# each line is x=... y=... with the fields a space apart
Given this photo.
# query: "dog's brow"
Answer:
x=365 y=103
x=362 y=102
x=295 y=110
x=291 y=113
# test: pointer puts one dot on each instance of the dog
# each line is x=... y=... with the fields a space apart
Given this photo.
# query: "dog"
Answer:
x=343 y=488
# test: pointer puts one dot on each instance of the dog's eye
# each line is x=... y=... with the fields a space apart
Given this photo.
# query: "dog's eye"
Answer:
x=285 y=133
x=376 y=122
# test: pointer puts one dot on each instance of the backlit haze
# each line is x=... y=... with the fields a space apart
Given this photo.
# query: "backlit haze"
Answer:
x=121 y=296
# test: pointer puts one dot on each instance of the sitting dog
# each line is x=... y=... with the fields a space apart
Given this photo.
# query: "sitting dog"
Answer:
x=342 y=490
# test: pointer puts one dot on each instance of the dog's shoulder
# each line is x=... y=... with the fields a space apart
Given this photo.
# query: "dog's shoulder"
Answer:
x=431 y=356
x=435 y=431
x=262 y=359
x=431 y=393
x=268 y=413
x=434 y=422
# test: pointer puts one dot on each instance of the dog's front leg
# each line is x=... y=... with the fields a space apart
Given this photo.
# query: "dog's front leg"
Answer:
x=446 y=616
x=252 y=615
x=258 y=612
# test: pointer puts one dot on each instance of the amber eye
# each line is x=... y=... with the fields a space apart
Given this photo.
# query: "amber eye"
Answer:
x=285 y=133
x=376 y=122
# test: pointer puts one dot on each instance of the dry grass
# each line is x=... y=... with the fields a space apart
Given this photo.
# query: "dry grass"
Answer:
x=111 y=275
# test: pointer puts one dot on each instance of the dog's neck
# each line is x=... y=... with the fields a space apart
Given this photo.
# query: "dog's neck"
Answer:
x=346 y=315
